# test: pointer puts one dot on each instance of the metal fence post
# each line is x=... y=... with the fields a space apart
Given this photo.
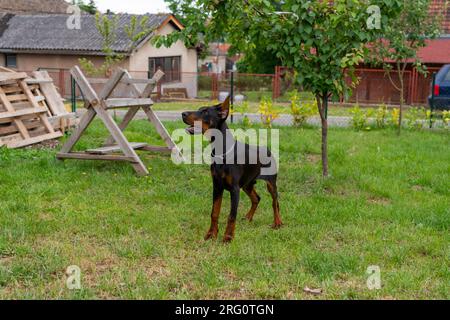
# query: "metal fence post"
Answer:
x=73 y=94
x=432 y=99
x=232 y=95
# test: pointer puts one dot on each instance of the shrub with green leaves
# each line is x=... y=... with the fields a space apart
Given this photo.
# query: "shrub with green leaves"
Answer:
x=360 y=118
x=243 y=109
x=381 y=115
x=415 y=118
x=446 y=119
x=267 y=112
x=301 y=110
x=394 y=117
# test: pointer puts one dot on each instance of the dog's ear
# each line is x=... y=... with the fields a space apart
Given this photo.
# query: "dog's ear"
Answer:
x=225 y=108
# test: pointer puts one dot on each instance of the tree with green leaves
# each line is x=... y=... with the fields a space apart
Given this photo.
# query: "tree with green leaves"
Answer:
x=322 y=41
x=259 y=60
x=396 y=49
x=90 y=7
x=107 y=26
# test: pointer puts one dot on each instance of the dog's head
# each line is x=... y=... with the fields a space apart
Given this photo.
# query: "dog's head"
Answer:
x=209 y=117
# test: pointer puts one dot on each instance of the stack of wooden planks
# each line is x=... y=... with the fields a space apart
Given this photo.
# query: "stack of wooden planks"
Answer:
x=31 y=110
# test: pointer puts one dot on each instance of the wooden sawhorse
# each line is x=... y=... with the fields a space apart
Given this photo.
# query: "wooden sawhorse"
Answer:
x=98 y=105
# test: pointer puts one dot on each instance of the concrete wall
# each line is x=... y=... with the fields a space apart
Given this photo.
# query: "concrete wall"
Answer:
x=30 y=62
x=2 y=60
x=139 y=61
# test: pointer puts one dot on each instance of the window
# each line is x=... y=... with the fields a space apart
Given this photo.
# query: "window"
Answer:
x=11 y=61
x=171 y=66
x=447 y=77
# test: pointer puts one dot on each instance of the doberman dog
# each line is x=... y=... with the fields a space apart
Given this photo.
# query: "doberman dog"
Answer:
x=230 y=174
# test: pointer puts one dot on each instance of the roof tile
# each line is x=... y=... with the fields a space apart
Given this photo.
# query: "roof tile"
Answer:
x=50 y=32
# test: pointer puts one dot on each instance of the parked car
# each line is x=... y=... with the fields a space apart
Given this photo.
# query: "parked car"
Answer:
x=441 y=98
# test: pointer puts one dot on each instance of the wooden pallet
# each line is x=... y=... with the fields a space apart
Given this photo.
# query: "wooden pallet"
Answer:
x=23 y=112
x=99 y=104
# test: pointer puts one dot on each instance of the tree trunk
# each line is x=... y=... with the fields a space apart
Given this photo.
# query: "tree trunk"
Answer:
x=322 y=103
x=400 y=116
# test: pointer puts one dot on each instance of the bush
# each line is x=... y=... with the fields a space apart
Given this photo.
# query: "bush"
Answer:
x=253 y=83
x=381 y=116
x=360 y=118
x=446 y=119
x=415 y=118
x=301 y=111
x=267 y=112
x=394 y=117
x=243 y=109
x=204 y=83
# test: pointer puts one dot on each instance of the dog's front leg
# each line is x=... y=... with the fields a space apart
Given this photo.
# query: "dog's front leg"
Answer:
x=229 y=233
x=217 y=204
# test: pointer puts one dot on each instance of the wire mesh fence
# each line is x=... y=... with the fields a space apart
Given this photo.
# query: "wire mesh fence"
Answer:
x=254 y=95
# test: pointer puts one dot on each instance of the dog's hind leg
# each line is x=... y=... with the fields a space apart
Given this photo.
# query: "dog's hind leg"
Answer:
x=255 y=198
x=272 y=187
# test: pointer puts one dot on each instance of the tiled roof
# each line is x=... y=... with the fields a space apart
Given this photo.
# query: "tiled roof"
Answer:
x=437 y=51
x=436 y=7
x=50 y=32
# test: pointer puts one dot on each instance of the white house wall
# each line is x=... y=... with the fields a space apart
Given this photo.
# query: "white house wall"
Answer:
x=139 y=62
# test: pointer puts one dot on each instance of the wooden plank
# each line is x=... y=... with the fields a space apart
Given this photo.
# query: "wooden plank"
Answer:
x=84 y=123
x=138 y=81
x=116 y=148
x=87 y=156
x=16 y=97
x=4 y=100
x=43 y=103
x=39 y=81
x=160 y=128
x=4 y=69
x=36 y=106
x=21 y=118
x=53 y=98
x=8 y=76
x=131 y=112
x=111 y=84
x=121 y=140
x=6 y=130
x=127 y=103
x=58 y=123
x=158 y=76
x=157 y=149
x=88 y=92
x=22 y=97
x=124 y=124
x=97 y=80
x=12 y=89
x=30 y=141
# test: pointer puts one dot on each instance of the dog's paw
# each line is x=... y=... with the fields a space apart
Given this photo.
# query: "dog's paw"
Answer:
x=277 y=226
x=227 y=239
x=211 y=235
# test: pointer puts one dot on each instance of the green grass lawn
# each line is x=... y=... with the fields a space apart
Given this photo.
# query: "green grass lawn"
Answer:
x=386 y=204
